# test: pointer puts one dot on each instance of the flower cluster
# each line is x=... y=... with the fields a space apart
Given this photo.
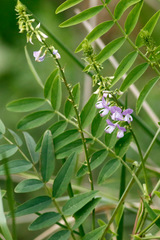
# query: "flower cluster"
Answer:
x=117 y=115
x=26 y=24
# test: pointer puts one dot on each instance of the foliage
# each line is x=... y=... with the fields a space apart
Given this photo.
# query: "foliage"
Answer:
x=73 y=147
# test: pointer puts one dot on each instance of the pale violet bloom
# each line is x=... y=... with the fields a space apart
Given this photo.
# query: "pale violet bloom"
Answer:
x=56 y=53
x=128 y=118
x=103 y=112
x=121 y=131
x=38 y=57
x=110 y=128
x=99 y=105
x=103 y=106
x=116 y=113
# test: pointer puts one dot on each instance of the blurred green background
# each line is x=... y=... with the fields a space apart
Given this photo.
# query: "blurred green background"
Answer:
x=17 y=81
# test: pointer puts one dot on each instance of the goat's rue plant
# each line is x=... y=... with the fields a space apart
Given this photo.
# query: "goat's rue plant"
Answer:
x=104 y=145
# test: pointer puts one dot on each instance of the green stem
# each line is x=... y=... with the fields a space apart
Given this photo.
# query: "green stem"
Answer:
x=63 y=217
x=130 y=184
x=79 y=124
x=155 y=189
x=142 y=160
x=149 y=226
x=122 y=189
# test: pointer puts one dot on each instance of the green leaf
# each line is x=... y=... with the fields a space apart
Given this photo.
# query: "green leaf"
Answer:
x=7 y=150
x=3 y=193
x=83 y=16
x=111 y=139
x=28 y=185
x=108 y=170
x=123 y=144
x=110 y=49
x=119 y=215
x=144 y=93
x=133 y=76
x=97 y=32
x=65 y=138
x=16 y=166
x=77 y=146
x=47 y=156
x=96 y=160
x=33 y=205
x=88 y=112
x=67 y=4
x=98 y=126
x=31 y=145
x=35 y=120
x=95 y=234
x=152 y=214
x=77 y=202
x=3 y=223
x=45 y=220
x=64 y=176
x=61 y=235
x=56 y=129
x=2 y=127
x=48 y=83
x=84 y=212
x=157 y=193
x=56 y=93
x=122 y=6
x=17 y=139
x=69 y=110
x=32 y=68
x=132 y=18
x=25 y=104
x=124 y=66
x=149 y=27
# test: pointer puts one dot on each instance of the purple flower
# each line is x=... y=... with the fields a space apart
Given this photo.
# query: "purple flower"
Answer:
x=128 y=118
x=102 y=104
x=121 y=131
x=104 y=111
x=110 y=128
x=38 y=57
x=116 y=113
x=55 y=52
x=99 y=105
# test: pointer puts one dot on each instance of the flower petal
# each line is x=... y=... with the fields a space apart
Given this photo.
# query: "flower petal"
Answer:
x=127 y=111
x=109 y=129
x=104 y=112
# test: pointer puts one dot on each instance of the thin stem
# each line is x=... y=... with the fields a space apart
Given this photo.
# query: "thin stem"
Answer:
x=63 y=217
x=149 y=226
x=142 y=160
x=130 y=184
x=155 y=189
x=79 y=125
